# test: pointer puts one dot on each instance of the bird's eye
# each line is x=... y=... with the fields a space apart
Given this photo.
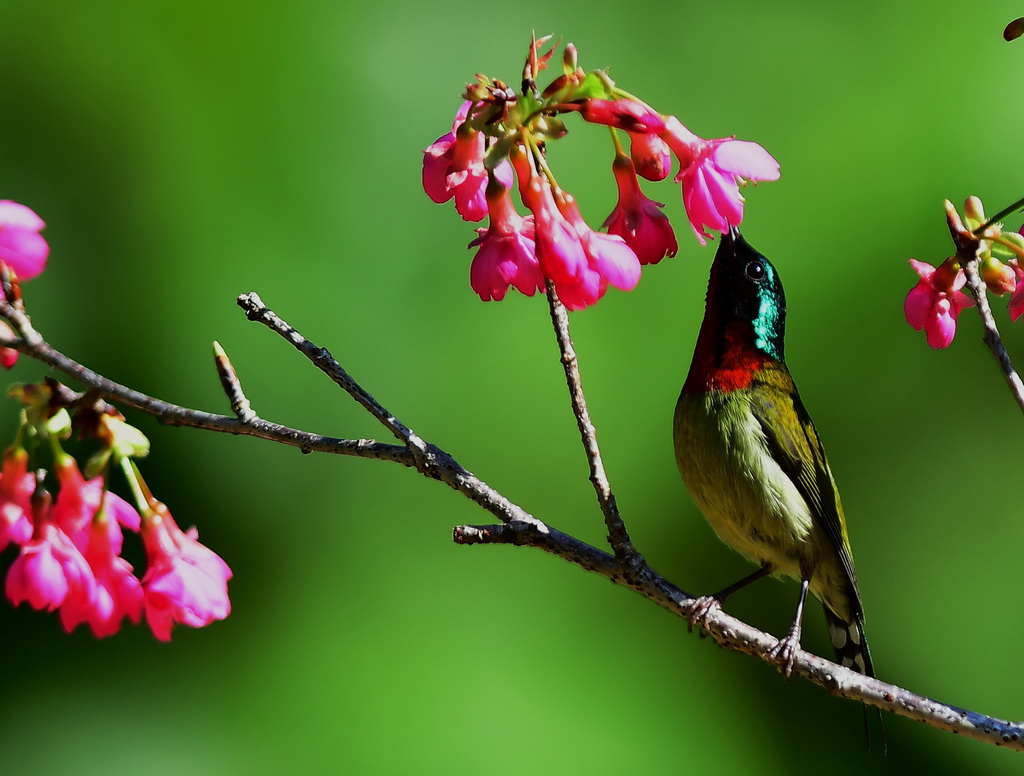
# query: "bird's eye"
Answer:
x=755 y=270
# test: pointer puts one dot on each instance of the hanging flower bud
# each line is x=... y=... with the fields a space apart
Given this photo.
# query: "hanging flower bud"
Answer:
x=623 y=114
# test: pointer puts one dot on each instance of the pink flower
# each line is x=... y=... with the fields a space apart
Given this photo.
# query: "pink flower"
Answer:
x=579 y=261
x=22 y=248
x=454 y=167
x=639 y=220
x=16 y=486
x=625 y=114
x=710 y=172
x=507 y=254
x=607 y=254
x=78 y=501
x=1017 y=300
x=558 y=245
x=50 y=572
x=936 y=301
x=118 y=591
x=650 y=155
x=186 y=582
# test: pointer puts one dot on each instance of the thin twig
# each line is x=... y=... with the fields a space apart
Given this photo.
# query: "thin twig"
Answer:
x=232 y=385
x=968 y=245
x=255 y=310
x=618 y=537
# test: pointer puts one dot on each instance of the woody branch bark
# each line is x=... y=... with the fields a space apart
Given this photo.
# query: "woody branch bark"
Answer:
x=516 y=527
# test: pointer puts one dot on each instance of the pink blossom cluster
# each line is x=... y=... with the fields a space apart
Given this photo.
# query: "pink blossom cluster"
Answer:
x=70 y=560
x=69 y=557
x=474 y=165
x=934 y=304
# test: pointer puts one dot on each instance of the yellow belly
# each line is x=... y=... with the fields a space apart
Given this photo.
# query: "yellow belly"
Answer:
x=746 y=497
x=749 y=501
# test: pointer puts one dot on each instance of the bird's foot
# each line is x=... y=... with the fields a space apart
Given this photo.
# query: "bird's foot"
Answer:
x=784 y=653
x=703 y=608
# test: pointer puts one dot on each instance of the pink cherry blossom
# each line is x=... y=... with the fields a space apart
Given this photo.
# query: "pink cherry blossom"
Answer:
x=118 y=593
x=507 y=254
x=625 y=114
x=22 y=248
x=454 y=167
x=710 y=172
x=16 y=486
x=639 y=220
x=936 y=301
x=50 y=572
x=186 y=582
x=607 y=254
x=579 y=261
x=79 y=499
x=559 y=250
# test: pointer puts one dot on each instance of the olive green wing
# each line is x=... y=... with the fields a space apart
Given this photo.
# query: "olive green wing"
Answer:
x=794 y=443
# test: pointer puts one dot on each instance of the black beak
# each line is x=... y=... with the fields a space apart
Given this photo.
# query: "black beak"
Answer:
x=730 y=243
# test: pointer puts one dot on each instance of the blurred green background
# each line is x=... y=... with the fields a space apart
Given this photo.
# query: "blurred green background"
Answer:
x=185 y=152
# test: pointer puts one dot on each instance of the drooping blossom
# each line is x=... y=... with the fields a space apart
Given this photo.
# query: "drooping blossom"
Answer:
x=185 y=582
x=579 y=261
x=710 y=172
x=454 y=167
x=79 y=499
x=639 y=220
x=559 y=250
x=625 y=114
x=16 y=486
x=936 y=301
x=50 y=572
x=607 y=254
x=22 y=248
x=507 y=254
x=118 y=592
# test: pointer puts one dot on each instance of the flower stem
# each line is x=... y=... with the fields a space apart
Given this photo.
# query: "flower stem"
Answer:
x=618 y=537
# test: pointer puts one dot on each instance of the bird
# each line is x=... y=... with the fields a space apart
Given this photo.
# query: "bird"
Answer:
x=753 y=461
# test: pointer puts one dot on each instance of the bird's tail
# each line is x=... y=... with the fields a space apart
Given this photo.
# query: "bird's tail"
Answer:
x=850 y=643
x=852 y=652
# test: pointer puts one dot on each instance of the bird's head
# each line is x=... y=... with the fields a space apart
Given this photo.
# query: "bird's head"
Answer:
x=745 y=288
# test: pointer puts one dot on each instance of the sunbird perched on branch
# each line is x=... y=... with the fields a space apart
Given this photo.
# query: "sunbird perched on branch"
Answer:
x=752 y=459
